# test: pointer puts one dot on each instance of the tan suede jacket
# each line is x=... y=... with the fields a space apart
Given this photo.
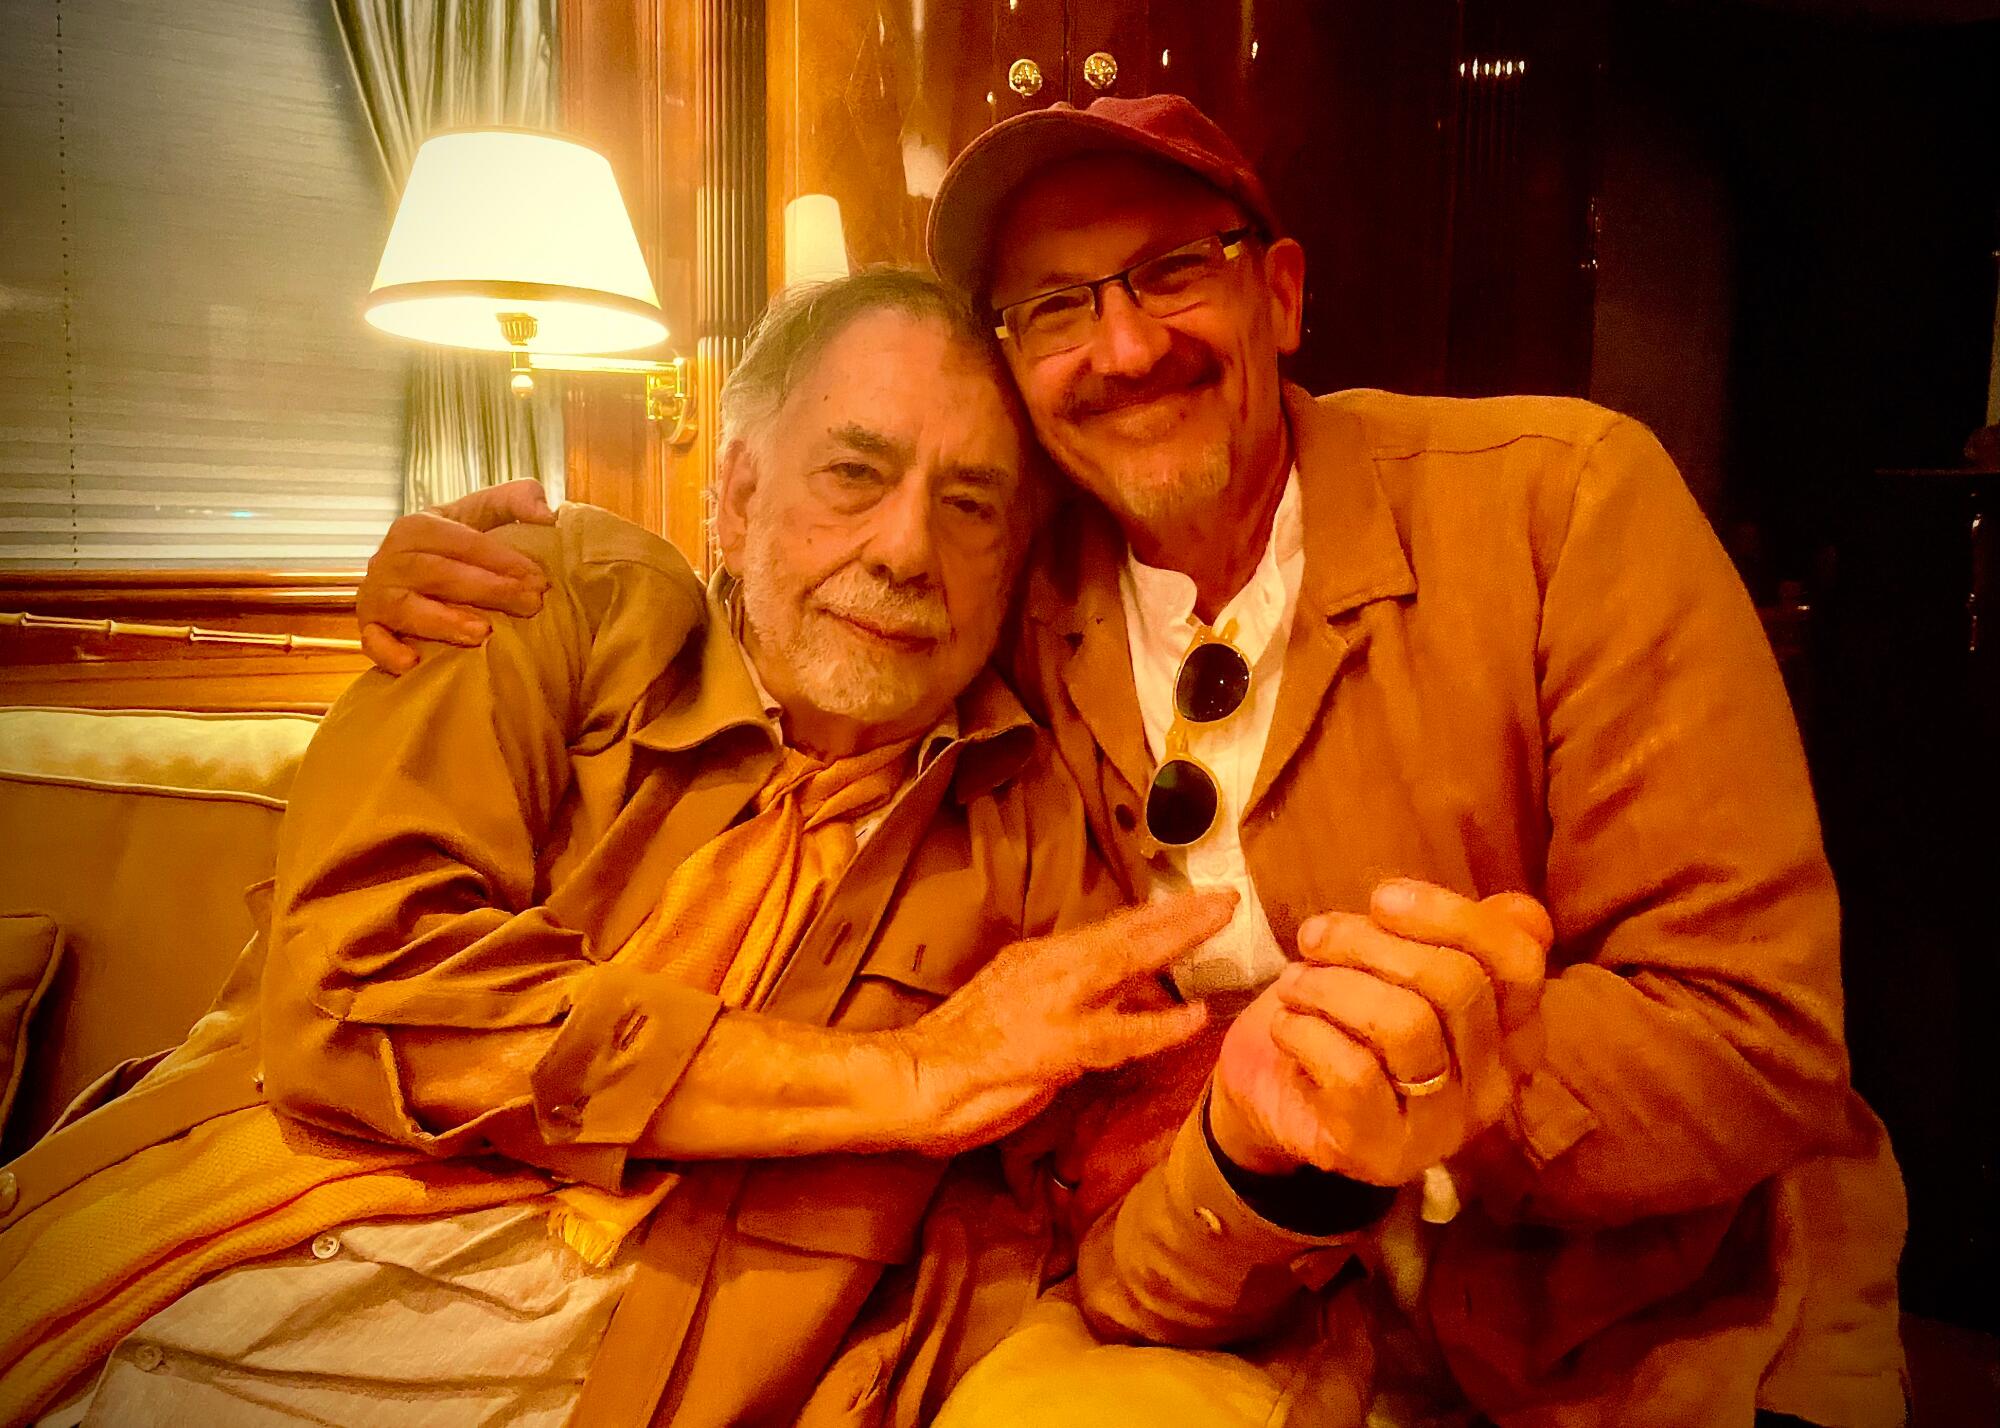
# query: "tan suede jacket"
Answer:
x=1522 y=661
x=465 y=848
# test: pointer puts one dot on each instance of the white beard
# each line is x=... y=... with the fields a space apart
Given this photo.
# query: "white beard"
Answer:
x=835 y=669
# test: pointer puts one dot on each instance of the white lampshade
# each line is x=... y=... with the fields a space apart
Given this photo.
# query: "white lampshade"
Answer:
x=510 y=221
x=815 y=243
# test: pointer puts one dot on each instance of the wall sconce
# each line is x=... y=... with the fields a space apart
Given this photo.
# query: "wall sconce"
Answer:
x=815 y=241
x=512 y=240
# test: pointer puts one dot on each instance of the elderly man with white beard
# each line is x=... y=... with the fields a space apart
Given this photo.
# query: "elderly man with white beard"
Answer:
x=632 y=979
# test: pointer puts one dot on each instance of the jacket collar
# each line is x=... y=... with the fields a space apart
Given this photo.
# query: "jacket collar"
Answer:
x=1354 y=553
x=719 y=693
x=1073 y=600
x=707 y=690
x=1354 y=556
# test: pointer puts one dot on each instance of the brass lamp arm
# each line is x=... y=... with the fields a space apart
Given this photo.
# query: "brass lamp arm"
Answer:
x=669 y=385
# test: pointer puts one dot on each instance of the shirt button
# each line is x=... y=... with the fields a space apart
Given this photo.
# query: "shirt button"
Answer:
x=326 y=1246
x=10 y=1191
x=1210 y=1221
x=148 y=1358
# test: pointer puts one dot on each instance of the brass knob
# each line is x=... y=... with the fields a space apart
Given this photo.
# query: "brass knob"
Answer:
x=1024 y=77
x=1100 y=70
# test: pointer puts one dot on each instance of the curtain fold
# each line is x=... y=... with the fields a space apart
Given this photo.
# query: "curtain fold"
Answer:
x=421 y=66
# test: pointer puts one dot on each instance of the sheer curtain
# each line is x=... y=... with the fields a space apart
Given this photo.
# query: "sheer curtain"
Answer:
x=422 y=66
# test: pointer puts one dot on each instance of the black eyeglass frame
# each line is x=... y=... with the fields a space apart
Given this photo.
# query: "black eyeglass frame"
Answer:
x=1176 y=754
x=1230 y=242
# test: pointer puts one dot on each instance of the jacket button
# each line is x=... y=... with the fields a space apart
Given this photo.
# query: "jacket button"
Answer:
x=1210 y=1221
x=10 y=1191
x=1126 y=818
x=567 y=1113
x=148 y=1358
x=325 y=1246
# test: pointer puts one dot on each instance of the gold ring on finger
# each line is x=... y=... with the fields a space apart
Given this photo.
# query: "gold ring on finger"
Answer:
x=1416 y=1090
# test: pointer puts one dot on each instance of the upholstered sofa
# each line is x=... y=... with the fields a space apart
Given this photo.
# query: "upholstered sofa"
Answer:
x=130 y=838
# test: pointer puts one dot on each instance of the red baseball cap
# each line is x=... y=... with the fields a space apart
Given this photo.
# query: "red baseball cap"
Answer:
x=973 y=197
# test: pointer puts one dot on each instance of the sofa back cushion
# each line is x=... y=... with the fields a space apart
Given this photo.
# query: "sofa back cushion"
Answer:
x=138 y=833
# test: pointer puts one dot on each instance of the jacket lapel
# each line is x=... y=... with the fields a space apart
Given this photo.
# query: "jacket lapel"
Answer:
x=1087 y=620
x=1354 y=555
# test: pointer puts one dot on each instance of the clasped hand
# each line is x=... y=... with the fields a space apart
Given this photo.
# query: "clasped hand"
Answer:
x=1337 y=1064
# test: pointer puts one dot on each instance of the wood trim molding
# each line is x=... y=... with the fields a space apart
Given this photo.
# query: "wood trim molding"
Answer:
x=110 y=592
x=95 y=670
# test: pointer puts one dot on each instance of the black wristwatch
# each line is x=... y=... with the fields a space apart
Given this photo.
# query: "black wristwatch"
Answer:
x=1306 y=1201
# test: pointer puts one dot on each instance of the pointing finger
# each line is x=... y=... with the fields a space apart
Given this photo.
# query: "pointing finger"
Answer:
x=1142 y=941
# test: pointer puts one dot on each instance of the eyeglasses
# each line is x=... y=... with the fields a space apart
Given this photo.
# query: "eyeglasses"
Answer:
x=1061 y=319
x=1213 y=682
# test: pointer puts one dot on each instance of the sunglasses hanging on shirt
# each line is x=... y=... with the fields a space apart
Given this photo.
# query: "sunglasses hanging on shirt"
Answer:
x=1213 y=683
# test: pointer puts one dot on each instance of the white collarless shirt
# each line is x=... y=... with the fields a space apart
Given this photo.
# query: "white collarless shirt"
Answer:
x=1160 y=625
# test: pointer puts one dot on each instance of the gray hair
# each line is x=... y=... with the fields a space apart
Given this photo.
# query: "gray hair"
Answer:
x=803 y=320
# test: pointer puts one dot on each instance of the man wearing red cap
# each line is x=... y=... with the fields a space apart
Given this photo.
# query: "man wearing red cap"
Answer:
x=1539 y=1068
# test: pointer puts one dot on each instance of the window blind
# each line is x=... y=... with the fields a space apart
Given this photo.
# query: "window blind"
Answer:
x=190 y=214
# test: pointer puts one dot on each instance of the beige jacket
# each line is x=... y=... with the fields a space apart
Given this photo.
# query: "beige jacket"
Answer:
x=1522 y=661
x=466 y=846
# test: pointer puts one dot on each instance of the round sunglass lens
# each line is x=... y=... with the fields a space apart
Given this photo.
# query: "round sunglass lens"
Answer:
x=1181 y=804
x=1213 y=681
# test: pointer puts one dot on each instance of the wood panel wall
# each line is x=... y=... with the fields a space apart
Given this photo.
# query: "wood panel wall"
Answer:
x=870 y=102
x=673 y=95
x=629 y=74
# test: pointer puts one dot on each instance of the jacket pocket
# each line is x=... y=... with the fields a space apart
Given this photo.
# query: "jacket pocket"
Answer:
x=937 y=966
x=905 y=974
x=862 y=1206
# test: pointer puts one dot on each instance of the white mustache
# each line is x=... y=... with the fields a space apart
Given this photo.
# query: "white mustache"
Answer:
x=894 y=609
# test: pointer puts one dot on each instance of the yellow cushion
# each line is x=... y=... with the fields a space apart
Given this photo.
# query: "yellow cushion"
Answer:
x=1052 y=1371
x=137 y=832
x=30 y=948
